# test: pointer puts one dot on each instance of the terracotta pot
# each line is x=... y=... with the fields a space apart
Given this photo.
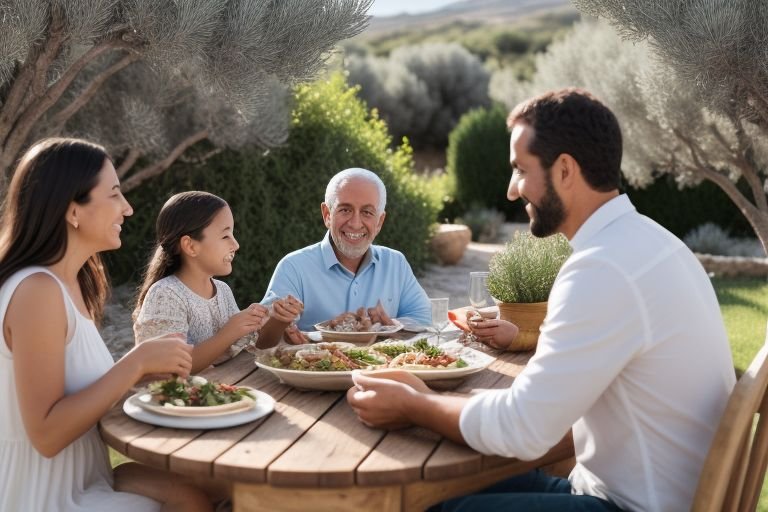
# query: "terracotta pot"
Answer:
x=528 y=317
x=449 y=242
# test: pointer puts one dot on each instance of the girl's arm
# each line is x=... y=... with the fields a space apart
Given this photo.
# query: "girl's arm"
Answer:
x=52 y=419
x=240 y=324
x=284 y=311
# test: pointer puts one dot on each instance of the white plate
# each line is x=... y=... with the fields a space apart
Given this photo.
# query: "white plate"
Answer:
x=342 y=380
x=265 y=404
x=358 y=337
x=410 y=325
x=145 y=400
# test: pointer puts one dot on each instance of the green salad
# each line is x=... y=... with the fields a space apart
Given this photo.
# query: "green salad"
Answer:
x=196 y=392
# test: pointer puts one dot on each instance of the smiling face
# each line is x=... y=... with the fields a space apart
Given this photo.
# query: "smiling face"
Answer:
x=533 y=184
x=99 y=221
x=214 y=252
x=354 y=221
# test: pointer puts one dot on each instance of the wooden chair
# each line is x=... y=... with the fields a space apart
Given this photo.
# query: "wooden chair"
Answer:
x=735 y=465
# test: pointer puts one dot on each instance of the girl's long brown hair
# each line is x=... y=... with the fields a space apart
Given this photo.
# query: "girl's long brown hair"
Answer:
x=185 y=214
x=51 y=175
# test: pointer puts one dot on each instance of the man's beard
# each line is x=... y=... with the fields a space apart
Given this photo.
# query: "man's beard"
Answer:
x=351 y=252
x=550 y=213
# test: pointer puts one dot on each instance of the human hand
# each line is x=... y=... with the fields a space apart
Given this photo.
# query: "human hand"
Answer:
x=380 y=401
x=287 y=309
x=498 y=334
x=379 y=315
x=294 y=336
x=248 y=320
x=166 y=354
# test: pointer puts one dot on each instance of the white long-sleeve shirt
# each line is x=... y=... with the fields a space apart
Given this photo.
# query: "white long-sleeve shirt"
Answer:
x=633 y=355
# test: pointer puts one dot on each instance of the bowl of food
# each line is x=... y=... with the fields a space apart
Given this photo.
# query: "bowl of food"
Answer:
x=329 y=365
x=355 y=327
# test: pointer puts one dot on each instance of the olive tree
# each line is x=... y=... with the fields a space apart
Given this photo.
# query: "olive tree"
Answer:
x=156 y=81
x=668 y=125
x=421 y=91
x=716 y=51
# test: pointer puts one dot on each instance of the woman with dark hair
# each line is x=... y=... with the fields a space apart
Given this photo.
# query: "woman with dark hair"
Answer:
x=195 y=243
x=64 y=207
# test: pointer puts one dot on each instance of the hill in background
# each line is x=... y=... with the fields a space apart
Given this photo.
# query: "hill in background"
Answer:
x=467 y=11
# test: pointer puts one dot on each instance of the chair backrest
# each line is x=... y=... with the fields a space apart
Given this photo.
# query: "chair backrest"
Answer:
x=735 y=465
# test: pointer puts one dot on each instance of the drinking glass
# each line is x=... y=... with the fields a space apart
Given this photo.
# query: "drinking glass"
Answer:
x=479 y=297
x=439 y=315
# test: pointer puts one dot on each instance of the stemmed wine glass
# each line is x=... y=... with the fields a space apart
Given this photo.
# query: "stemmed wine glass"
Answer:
x=439 y=315
x=479 y=297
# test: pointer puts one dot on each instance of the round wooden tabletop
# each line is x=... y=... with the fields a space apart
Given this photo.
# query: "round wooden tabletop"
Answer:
x=313 y=447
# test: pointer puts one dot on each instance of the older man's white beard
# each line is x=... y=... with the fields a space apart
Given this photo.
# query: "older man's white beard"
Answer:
x=349 y=251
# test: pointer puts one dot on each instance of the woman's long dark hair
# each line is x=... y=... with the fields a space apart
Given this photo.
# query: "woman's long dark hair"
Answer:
x=185 y=214
x=50 y=176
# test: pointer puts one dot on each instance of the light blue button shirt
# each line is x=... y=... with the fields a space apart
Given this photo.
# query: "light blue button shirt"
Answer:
x=315 y=276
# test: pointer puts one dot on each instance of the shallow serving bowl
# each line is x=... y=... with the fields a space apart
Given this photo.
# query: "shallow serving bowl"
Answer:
x=357 y=337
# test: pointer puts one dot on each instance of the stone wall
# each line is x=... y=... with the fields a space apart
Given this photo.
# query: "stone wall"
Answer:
x=732 y=266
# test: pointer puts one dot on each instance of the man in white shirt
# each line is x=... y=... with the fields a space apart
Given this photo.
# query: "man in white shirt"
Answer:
x=633 y=355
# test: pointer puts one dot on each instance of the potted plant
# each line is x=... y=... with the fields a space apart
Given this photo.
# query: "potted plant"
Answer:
x=520 y=279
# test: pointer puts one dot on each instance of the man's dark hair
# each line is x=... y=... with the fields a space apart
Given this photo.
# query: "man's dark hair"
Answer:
x=573 y=121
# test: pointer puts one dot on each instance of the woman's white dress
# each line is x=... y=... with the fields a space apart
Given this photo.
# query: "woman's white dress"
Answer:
x=79 y=478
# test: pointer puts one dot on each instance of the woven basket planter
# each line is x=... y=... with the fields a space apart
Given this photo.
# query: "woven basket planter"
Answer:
x=528 y=317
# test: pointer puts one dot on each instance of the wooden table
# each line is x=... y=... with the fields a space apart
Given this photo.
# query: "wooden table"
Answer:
x=313 y=453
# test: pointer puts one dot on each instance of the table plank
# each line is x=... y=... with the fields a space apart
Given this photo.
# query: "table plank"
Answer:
x=398 y=458
x=451 y=460
x=233 y=370
x=198 y=456
x=294 y=414
x=155 y=447
x=327 y=455
x=122 y=429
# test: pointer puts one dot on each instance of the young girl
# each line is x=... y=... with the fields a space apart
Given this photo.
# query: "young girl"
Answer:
x=195 y=242
x=64 y=207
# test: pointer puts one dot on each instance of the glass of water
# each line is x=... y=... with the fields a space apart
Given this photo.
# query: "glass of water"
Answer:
x=479 y=297
x=439 y=315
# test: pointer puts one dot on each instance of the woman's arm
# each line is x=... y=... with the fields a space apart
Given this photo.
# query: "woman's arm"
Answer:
x=51 y=418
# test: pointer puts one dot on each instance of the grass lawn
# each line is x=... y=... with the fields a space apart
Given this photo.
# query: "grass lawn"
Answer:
x=116 y=458
x=744 y=303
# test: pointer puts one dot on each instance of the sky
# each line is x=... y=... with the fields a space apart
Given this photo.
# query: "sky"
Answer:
x=391 y=7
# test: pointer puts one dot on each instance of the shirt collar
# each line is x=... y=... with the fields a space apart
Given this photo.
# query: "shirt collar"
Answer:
x=603 y=216
x=330 y=259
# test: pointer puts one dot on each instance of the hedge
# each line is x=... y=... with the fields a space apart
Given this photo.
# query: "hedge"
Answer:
x=478 y=158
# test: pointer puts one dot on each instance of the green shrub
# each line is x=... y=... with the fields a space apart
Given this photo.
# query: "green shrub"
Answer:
x=275 y=196
x=525 y=270
x=681 y=211
x=485 y=223
x=478 y=158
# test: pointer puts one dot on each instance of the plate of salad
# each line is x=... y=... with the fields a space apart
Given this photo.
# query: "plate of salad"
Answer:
x=329 y=366
x=195 y=396
x=197 y=403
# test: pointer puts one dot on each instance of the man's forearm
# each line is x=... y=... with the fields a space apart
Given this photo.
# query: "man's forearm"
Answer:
x=439 y=413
